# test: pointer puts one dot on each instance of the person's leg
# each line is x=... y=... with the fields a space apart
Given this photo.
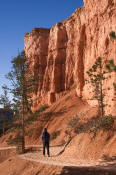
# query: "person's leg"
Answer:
x=44 y=149
x=48 y=149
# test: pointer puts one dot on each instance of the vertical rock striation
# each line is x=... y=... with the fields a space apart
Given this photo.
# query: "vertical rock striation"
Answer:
x=100 y=21
x=62 y=55
x=36 y=50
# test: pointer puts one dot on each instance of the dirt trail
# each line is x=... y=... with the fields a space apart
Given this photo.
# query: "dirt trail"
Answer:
x=33 y=163
x=58 y=159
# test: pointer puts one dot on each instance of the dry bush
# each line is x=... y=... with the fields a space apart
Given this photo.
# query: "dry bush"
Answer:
x=54 y=135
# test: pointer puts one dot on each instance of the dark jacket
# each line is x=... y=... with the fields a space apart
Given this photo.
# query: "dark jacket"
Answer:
x=45 y=137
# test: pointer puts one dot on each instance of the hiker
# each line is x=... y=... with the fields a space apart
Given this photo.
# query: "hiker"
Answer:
x=45 y=138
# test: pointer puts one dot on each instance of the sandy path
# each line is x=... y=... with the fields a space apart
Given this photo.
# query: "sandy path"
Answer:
x=68 y=163
x=60 y=160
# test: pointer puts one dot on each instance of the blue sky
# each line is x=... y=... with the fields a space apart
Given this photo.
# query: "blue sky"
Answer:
x=18 y=17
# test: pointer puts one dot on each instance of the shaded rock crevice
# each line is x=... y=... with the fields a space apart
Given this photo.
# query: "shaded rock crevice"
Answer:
x=80 y=63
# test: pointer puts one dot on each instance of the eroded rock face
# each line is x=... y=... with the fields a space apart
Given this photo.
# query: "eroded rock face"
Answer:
x=36 y=50
x=63 y=54
x=100 y=21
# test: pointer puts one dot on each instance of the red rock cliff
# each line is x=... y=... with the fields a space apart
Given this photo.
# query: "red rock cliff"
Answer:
x=63 y=54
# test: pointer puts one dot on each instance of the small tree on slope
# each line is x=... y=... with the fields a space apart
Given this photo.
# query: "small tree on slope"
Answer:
x=22 y=88
x=96 y=77
x=97 y=74
x=6 y=104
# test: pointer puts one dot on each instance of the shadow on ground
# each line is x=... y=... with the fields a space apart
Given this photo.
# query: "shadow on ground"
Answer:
x=106 y=158
x=98 y=170
x=51 y=115
x=108 y=169
x=40 y=148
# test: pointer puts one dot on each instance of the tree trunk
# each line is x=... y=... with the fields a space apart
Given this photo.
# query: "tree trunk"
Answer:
x=23 y=128
x=101 y=93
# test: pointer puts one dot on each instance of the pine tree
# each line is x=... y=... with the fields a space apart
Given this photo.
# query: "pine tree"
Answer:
x=4 y=99
x=6 y=106
x=22 y=86
x=96 y=77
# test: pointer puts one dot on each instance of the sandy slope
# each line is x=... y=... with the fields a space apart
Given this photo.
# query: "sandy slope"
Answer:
x=82 y=154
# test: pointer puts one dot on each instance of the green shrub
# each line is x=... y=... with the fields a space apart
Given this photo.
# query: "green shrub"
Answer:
x=105 y=123
x=73 y=122
x=28 y=132
x=81 y=128
x=34 y=116
x=12 y=129
x=54 y=135
x=43 y=108
x=113 y=35
x=67 y=132
x=12 y=141
x=93 y=125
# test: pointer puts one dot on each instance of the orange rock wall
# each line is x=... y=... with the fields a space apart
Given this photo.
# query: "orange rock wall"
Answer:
x=64 y=53
x=100 y=21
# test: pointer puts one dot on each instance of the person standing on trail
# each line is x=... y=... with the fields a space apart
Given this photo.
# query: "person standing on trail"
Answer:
x=45 y=139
